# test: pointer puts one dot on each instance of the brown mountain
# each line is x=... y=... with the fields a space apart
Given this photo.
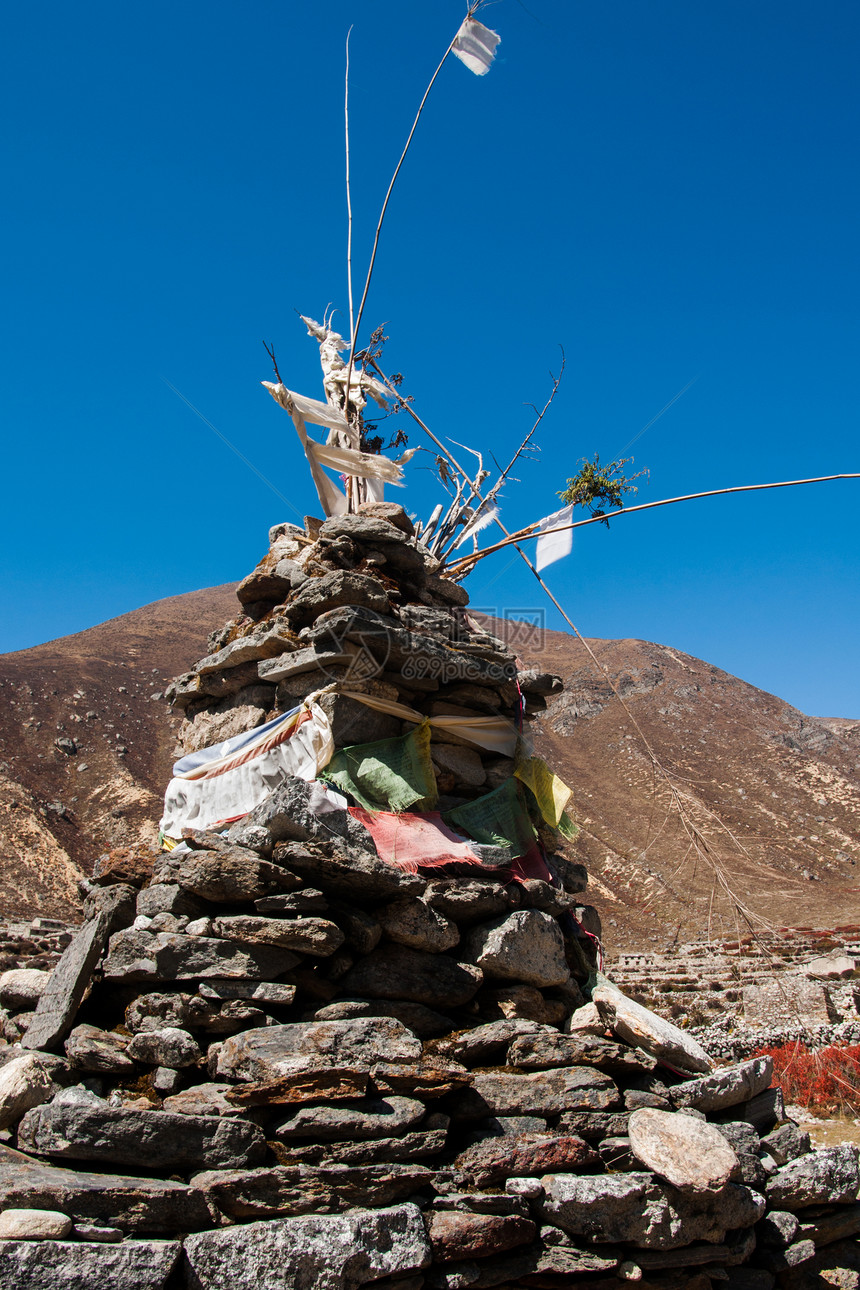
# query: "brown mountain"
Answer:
x=760 y=810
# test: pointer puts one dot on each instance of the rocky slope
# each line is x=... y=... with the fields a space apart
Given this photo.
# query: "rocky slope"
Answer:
x=786 y=785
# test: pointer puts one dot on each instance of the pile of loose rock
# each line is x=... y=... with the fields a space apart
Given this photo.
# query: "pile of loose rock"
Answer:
x=272 y=1059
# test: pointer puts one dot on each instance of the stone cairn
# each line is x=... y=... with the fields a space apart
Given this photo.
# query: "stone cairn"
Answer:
x=269 y=1059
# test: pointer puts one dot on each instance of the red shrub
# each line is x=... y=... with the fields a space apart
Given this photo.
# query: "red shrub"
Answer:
x=825 y=1080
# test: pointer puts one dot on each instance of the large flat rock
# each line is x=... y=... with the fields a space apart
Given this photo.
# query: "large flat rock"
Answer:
x=119 y=1136
x=644 y=1029
x=634 y=1208
x=368 y=1118
x=132 y=1204
x=328 y=1188
x=80 y=1265
x=326 y=1252
x=354 y=1045
x=230 y=875
x=725 y=1087
x=579 y=1088
x=488 y=1163
x=137 y=955
x=59 y=1002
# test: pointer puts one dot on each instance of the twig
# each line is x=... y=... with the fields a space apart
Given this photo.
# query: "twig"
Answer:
x=270 y=350
x=531 y=530
x=348 y=196
x=473 y=8
x=491 y=496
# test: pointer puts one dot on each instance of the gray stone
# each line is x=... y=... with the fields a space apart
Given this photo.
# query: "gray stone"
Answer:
x=412 y=922
x=688 y=1153
x=232 y=875
x=326 y=1252
x=319 y=595
x=548 y=1048
x=304 y=661
x=58 y=1005
x=203 y=1099
x=467 y=902
x=280 y=1051
x=478 y=1047
x=633 y=1208
x=170 y=1046
x=777 y=1228
x=140 y=955
x=372 y=1117
x=92 y=1232
x=725 y=1087
x=464 y=764
x=315 y=936
x=395 y=972
x=786 y=1143
x=24 y=1083
x=244 y=1194
x=644 y=1029
x=33 y=1225
x=290 y=814
x=791 y=1257
x=167 y=898
x=155 y=1011
x=351 y=874
x=265 y=642
x=408 y=1146
x=271 y=992
x=294 y=904
x=22 y=987
x=91 y=1049
x=825 y=1177
x=526 y=946
x=488 y=1163
x=741 y=1136
x=116 y=901
x=74 y=1265
x=127 y=1137
x=543 y=1093
x=423 y=1022
x=132 y=1204
x=165 y=1080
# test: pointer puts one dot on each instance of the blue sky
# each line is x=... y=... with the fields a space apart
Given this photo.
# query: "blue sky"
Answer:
x=668 y=191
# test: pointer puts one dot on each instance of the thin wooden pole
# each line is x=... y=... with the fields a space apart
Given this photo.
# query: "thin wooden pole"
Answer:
x=531 y=530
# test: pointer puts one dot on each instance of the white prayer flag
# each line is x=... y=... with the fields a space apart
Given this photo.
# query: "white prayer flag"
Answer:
x=475 y=45
x=554 y=546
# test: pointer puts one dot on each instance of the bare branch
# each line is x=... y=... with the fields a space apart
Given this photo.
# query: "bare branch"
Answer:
x=270 y=350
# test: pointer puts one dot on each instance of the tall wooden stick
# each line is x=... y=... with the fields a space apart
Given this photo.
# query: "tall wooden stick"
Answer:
x=348 y=197
x=473 y=8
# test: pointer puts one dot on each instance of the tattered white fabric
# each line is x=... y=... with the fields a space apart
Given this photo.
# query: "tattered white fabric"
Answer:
x=319 y=414
x=220 y=784
x=475 y=45
x=554 y=546
x=362 y=465
x=332 y=500
x=494 y=733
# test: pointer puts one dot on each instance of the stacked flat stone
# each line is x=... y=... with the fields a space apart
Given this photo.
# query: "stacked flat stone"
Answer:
x=270 y=1059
